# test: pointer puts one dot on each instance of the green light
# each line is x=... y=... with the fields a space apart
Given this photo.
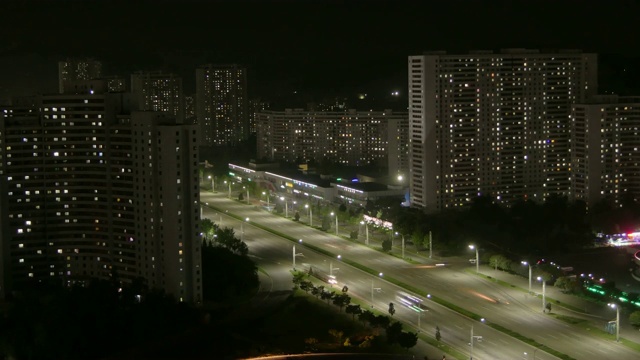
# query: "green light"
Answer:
x=232 y=174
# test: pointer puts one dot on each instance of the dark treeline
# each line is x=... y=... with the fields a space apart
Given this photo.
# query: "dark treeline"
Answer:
x=526 y=228
x=88 y=322
x=98 y=319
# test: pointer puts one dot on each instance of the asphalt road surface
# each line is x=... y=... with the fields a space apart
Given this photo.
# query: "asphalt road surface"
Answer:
x=507 y=307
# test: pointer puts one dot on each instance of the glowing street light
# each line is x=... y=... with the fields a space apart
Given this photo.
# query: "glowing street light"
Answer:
x=228 y=182
x=473 y=247
x=544 y=299
x=296 y=254
x=477 y=338
x=617 y=307
x=242 y=229
x=286 y=206
x=334 y=214
x=213 y=182
x=529 y=265
x=310 y=213
x=366 y=231
x=374 y=289
x=534 y=354
x=247 y=188
x=402 y=243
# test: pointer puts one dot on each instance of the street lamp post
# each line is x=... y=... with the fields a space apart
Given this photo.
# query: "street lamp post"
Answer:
x=336 y=215
x=472 y=338
x=310 y=213
x=473 y=247
x=617 y=307
x=286 y=207
x=534 y=354
x=402 y=236
x=242 y=229
x=247 y=188
x=544 y=299
x=366 y=231
x=529 y=265
x=228 y=182
x=295 y=254
x=332 y=269
x=374 y=289
x=267 y=195
x=213 y=183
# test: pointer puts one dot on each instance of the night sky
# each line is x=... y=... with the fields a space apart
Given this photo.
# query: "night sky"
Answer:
x=317 y=48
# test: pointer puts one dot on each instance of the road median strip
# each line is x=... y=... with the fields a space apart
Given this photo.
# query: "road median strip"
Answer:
x=408 y=287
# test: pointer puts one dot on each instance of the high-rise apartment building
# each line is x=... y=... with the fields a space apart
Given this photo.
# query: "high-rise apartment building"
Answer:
x=605 y=149
x=222 y=104
x=352 y=138
x=494 y=124
x=158 y=91
x=89 y=189
x=78 y=69
x=256 y=106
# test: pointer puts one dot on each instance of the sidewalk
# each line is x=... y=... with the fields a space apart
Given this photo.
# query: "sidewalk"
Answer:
x=597 y=314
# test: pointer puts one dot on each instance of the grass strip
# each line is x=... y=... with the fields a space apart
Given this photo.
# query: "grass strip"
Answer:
x=415 y=290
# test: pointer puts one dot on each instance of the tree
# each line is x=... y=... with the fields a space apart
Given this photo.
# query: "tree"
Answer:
x=386 y=245
x=568 y=284
x=381 y=321
x=634 y=319
x=353 y=309
x=208 y=228
x=226 y=239
x=341 y=300
x=241 y=196
x=326 y=223
x=306 y=286
x=298 y=278
x=325 y=295
x=393 y=331
x=407 y=339
x=240 y=274
x=366 y=316
x=353 y=235
x=317 y=290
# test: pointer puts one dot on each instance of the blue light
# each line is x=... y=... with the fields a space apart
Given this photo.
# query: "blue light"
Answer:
x=354 y=180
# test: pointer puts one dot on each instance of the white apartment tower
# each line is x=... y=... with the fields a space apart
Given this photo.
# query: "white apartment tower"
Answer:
x=78 y=69
x=493 y=124
x=605 y=155
x=352 y=138
x=222 y=104
x=89 y=189
x=158 y=91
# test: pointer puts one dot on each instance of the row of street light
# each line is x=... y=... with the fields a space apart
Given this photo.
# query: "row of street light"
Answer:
x=378 y=289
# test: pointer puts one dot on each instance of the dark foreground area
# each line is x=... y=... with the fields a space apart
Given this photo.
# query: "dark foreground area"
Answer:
x=102 y=322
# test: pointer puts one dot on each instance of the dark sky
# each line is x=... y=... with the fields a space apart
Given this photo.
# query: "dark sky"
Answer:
x=314 y=47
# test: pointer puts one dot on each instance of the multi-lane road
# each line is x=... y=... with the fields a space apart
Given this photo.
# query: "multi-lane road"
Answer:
x=506 y=307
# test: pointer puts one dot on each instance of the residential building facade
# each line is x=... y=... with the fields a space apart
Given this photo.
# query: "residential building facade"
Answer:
x=73 y=69
x=92 y=190
x=493 y=124
x=158 y=91
x=221 y=104
x=605 y=155
x=352 y=138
